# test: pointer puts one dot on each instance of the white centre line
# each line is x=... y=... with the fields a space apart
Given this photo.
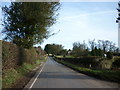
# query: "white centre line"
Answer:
x=37 y=76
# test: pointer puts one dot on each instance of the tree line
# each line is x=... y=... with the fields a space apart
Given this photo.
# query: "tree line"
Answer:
x=55 y=49
x=99 y=48
x=102 y=48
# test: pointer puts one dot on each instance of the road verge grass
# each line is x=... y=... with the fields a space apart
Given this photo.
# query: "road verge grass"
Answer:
x=109 y=75
x=14 y=74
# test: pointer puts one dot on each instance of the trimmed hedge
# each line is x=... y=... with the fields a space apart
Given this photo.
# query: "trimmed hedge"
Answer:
x=116 y=63
x=94 y=62
x=14 y=56
x=109 y=75
x=109 y=55
x=83 y=61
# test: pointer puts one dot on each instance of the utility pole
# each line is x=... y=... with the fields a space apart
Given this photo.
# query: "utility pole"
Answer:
x=118 y=21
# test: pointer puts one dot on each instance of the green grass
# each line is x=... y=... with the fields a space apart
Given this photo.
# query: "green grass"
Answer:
x=12 y=75
x=59 y=56
x=109 y=75
x=65 y=56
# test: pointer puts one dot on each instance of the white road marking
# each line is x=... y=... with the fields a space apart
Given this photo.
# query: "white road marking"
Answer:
x=37 y=77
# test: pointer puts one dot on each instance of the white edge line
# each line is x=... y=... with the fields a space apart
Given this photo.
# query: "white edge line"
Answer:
x=37 y=77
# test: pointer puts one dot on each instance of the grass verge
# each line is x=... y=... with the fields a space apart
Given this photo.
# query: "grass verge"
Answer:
x=65 y=56
x=10 y=76
x=109 y=75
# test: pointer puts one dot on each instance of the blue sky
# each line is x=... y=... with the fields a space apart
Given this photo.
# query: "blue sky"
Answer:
x=80 y=21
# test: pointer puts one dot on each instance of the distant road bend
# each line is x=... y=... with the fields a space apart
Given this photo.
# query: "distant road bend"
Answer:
x=55 y=75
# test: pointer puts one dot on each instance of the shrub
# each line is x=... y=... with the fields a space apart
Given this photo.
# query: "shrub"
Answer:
x=105 y=64
x=14 y=56
x=116 y=63
x=109 y=55
x=83 y=61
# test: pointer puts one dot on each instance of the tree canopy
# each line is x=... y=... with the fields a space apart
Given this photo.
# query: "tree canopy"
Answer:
x=79 y=49
x=53 y=49
x=27 y=23
x=93 y=48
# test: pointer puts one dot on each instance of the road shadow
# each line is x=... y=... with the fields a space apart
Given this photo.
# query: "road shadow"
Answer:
x=58 y=75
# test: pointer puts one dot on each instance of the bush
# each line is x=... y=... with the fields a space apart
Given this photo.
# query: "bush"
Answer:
x=83 y=61
x=105 y=64
x=116 y=63
x=89 y=62
x=109 y=55
x=14 y=56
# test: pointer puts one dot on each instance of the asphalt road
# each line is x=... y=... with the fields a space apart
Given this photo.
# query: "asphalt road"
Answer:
x=55 y=75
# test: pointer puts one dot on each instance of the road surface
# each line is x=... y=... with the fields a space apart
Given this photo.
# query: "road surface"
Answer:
x=55 y=75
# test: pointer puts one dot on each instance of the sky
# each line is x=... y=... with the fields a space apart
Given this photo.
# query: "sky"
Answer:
x=79 y=21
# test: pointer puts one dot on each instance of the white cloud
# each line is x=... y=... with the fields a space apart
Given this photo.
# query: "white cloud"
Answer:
x=88 y=26
x=88 y=14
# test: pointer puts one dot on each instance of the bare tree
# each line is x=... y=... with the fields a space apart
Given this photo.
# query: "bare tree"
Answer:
x=92 y=44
